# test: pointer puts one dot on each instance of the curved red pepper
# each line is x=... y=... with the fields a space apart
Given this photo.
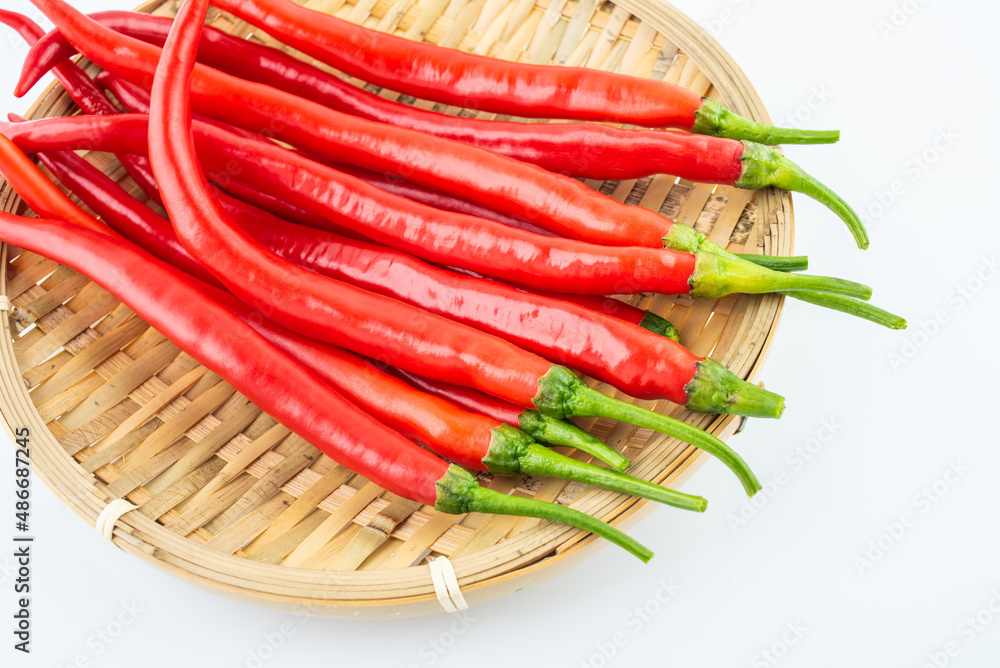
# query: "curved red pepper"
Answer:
x=586 y=150
x=519 y=89
x=467 y=80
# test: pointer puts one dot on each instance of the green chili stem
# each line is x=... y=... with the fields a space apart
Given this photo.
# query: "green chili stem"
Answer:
x=777 y=262
x=764 y=167
x=716 y=389
x=718 y=273
x=538 y=460
x=714 y=119
x=852 y=307
x=458 y=492
x=598 y=405
x=557 y=432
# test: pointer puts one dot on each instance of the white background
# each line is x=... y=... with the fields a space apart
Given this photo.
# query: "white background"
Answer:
x=905 y=81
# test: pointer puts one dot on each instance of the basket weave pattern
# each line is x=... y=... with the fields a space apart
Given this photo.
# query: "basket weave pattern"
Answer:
x=229 y=498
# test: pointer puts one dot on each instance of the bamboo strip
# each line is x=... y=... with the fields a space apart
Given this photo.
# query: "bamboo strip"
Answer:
x=302 y=506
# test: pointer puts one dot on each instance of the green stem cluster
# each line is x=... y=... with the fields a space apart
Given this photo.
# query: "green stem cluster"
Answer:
x=513 y=453
x=719 y=272
x=545 y=429
x=562 y=394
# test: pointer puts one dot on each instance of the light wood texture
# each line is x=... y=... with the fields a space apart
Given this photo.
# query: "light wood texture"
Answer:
x=231 y=501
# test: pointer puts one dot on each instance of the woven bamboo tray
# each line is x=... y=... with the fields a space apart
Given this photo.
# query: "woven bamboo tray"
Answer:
x=228 y=498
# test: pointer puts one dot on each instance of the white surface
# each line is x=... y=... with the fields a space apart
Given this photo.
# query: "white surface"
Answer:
x=787 y=580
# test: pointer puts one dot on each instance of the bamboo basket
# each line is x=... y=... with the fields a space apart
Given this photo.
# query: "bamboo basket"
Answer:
x=228 y=499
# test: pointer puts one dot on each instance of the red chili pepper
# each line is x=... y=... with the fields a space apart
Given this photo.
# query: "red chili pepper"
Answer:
x=174 y=304
x=518 y=89
x=72 y=78
x=563 y=205
x=328 y=310
x=605 y=306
